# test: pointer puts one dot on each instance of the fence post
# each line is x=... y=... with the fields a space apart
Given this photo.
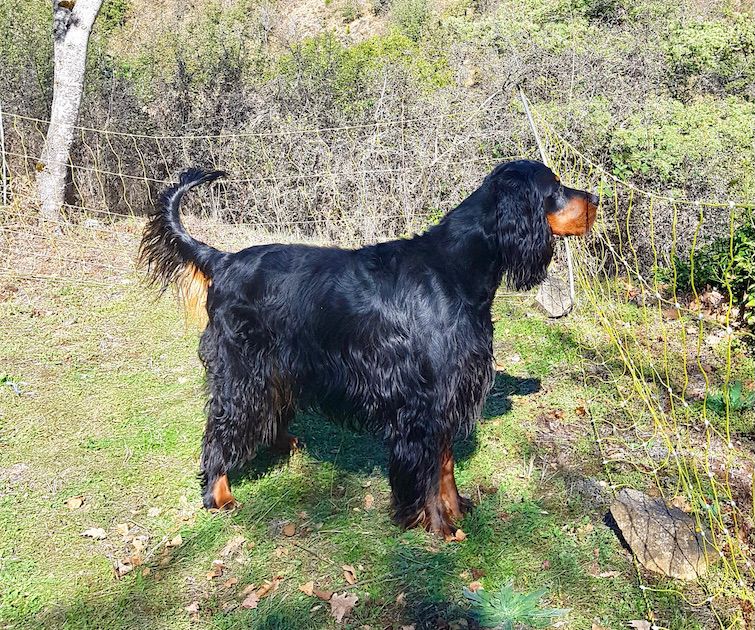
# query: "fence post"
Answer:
x=544 y=158
x=3 y=160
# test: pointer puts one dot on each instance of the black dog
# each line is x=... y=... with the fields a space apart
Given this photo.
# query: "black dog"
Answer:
x=395 y=337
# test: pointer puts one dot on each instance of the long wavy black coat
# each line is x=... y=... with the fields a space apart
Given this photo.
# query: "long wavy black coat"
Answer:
x=395 y=337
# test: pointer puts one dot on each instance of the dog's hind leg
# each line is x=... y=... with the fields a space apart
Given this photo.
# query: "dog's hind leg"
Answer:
x=216 y=489
x=243 y=411
x=285 y=406
x=285 y=442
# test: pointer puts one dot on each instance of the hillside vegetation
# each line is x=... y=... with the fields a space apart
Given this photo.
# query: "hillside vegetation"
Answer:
x=661 y=92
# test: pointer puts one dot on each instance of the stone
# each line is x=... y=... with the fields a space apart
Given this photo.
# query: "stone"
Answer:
x=554 y=297
x=664 y=539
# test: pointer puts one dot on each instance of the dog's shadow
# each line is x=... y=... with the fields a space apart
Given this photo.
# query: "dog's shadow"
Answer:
x=362 y=452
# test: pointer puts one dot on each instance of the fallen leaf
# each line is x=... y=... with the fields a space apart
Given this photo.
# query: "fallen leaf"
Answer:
x=289 y=529
x=193 y=607
x=140 y=543
x=595 y=626
x=250 y=601
x=315 y=608
x=681 y=502
x=475 y=586
x=74 y=503
x=122 y=567
x=308 y=588
x=369 y=501
x=248 y=589
x=122 y=529
x=146 y=571
x=230 y=582
x=411 y=627
x=95 y=532
x=459 y=535
x=177 y=541
x=268 y=587
x=323 y=595
x=609 y=574
x=478 y=573
x=640 y=624
x=342 y=604
x=217 y=569
x=401 y=599
x=581 y=411
x=233 y=545
x=349 y=573
x=546 y=565
x=153 y=512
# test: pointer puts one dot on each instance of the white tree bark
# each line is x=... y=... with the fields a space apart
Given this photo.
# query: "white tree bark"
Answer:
x=72 y=23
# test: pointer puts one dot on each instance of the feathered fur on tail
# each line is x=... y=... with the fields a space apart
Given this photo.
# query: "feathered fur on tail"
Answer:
x=171 y=255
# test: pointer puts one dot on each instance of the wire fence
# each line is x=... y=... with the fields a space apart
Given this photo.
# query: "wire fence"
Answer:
x=665 y=360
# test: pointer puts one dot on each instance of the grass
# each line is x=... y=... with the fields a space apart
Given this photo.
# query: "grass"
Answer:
x=111 y=409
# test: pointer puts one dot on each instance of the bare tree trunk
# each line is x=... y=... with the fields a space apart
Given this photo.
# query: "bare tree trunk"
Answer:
x=72 y=23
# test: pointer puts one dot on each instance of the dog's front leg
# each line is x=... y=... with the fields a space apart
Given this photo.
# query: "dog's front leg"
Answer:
x=421 y=476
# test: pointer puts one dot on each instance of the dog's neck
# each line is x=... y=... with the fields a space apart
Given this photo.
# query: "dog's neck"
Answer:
x=466 y=242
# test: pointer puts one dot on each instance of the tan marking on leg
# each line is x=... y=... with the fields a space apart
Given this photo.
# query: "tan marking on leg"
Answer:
x=287 y=443
x=449 y=493
x=221 y=494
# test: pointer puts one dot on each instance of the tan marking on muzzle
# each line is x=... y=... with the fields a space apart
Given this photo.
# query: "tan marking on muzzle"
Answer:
x=574 y=219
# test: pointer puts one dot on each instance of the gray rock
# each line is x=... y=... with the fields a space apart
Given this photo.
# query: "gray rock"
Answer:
x=554 y=297
x=663 y=538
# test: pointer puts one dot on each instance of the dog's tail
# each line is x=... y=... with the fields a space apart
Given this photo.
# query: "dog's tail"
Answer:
x=171 y=255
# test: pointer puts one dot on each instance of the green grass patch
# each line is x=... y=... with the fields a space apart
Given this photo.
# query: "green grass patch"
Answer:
x=110 y=409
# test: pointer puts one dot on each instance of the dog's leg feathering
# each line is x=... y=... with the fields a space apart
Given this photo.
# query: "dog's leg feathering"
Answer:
x=419 y=474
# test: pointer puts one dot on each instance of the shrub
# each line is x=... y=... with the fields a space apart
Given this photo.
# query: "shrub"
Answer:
x=727 y=263
x=344 y=71
x=411 y=17
x=704 y=147
x=713 y=54
x=733 y=397
x=507 y=609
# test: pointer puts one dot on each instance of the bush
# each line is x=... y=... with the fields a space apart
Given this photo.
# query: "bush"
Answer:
x=717 y=55
x=411 y=17
x=702 y=147
x=26 y=44
x=727 y=264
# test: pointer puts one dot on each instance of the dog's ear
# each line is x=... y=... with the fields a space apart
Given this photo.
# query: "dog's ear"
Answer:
x=525 y=239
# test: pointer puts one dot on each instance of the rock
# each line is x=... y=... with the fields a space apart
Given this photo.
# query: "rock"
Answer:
x=662 y=537
x=554 y=298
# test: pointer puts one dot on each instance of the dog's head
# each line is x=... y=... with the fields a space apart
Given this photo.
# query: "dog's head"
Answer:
x=533 y=206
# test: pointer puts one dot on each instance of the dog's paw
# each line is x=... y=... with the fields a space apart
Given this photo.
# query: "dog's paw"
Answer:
x=288 y=444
